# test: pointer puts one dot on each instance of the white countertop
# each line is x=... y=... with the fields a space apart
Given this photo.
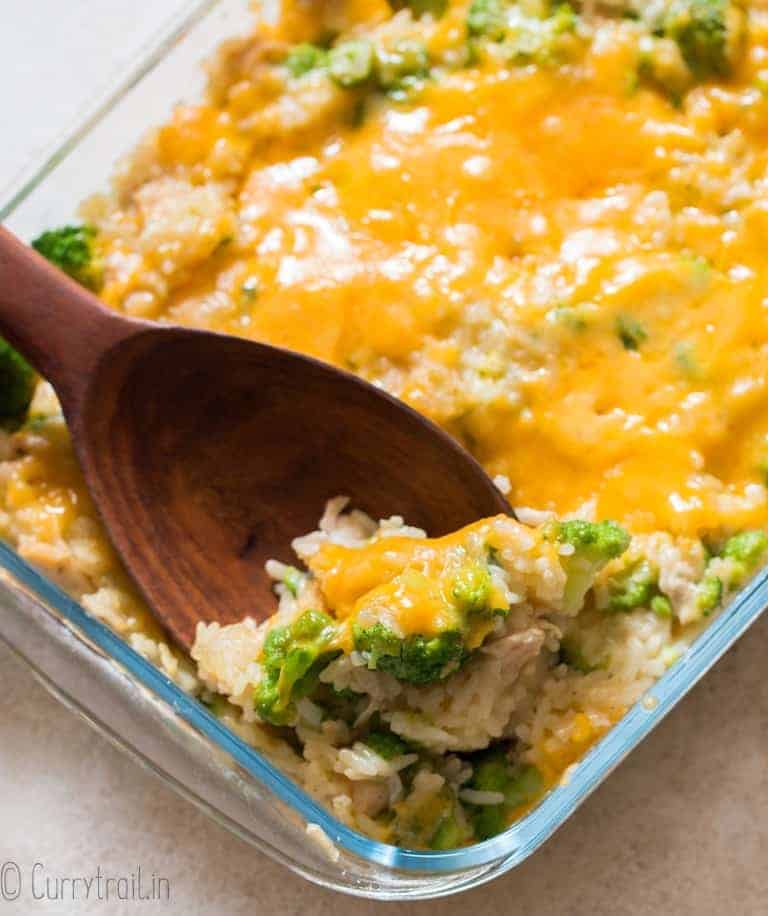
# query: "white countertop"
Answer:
x=680 y=828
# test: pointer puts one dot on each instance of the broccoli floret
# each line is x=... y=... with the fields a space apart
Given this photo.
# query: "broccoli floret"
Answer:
x=17 y=385
x=541 y=40
x=525 y=785
x=386 y=745
x=709 y=593
x=292 y=579
x=708 y=33
x=545 y=34
x=661 y=606
x=73 y=250
x=487 y=19
x=304 y=58
x=416 y=659
x=523 y=37
x=465 y=603
x=746 y=549
x=563 y=20
x=633 y=588
x=494 y=772
x=449 y=835
x=630 y=332
x=488 y=820
x=472 y=588
x=594 y=544
x=434 y=822
x=292 y=658
x=312 y=625
x=491 y=771
x=350 y=64
x=404 y=63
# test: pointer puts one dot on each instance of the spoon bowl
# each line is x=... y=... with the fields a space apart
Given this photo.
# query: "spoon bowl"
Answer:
x=206 y=455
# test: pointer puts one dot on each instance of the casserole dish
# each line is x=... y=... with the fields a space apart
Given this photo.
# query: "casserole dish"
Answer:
x=89 y=667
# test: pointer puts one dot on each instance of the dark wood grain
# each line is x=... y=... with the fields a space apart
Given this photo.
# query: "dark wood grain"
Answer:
x=207 y=454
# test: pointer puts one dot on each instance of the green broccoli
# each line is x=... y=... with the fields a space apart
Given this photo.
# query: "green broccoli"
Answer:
x=494 y=772
x=540 y=40
x=563 y=20
x=488 y=820
x=595 y=544
x=661 y=606
x=630 y=332
x=416 y=659
x=709 y=593
x=73 y=250
x=491 y=771
x=350 y=64
x=406 y=62
x=292 y=658
x=435 y=823
x=707 y=32
x=17 y=385
x=450 y=834
x=746 y=547
x=746 y=550
x=472 y=587
x=637 y=586
x=386 y=744
x=487 y=19
x=304 y=58
x=634 y=587
x=523 y=37
x=292 y=579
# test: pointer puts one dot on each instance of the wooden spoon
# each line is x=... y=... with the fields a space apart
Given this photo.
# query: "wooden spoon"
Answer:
x=207 y=454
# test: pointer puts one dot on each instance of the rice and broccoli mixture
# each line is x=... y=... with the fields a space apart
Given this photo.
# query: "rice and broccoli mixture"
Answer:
x=543 y=225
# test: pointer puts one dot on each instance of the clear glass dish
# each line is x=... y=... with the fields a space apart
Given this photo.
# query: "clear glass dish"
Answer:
x=93 y=671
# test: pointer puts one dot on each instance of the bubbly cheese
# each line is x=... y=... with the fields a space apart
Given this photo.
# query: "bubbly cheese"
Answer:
x=486 y=261
x=407 y=581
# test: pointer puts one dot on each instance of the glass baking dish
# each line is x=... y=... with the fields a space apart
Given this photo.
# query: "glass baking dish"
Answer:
x=125 y=697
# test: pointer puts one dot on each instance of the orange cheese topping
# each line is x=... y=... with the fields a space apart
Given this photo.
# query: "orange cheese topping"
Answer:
x=477 y=249
x=408 y=581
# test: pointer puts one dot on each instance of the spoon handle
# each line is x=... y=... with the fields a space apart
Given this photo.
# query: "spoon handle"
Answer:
x=60 y=327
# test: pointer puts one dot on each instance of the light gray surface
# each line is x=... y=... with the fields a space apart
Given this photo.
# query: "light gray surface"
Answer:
x=680 y=828
x=55 y=56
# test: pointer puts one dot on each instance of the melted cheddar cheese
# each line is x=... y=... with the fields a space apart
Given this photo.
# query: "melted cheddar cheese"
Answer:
x=410 y=583
x=478 y=248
